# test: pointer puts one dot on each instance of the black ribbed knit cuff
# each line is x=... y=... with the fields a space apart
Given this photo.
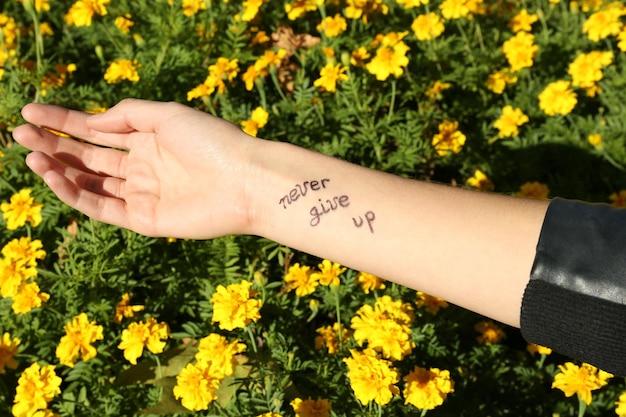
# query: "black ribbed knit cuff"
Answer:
x=575 y=301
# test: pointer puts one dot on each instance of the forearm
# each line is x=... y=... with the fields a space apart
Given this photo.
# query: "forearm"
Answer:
x=473 y=249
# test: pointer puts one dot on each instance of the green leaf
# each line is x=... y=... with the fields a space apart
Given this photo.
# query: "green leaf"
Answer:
x=149 y=372
x=167 y=403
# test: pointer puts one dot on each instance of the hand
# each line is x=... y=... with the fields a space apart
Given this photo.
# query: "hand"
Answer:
x=159 y=169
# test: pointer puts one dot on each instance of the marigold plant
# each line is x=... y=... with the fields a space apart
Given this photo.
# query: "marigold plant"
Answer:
x=518 y=98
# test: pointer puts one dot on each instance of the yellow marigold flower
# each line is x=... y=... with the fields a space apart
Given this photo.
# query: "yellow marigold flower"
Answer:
x=25 y=249
x=520 y=50
x=533 y=348
x=216 y=349
x=196 y=386
x=329 y=53
x=58 y=77
x=605 y=22
x=533 y=189
x=28 y=297
x=449 y=138
x=427 y=388
x=580 y=380
x=490 y=332
x=124 y=309
x=369 y=282
x=385 y=327
x=522 y=21
x=192 y=7
x=332 y=26
x=122 y=69
x=586 y=69
x=329 y=337
x=81 y=13
x=234 y=306
x=40 y=5
x=618 y=199
x=250 y=76
x=363 y=9
x=430 y=303
x=8 y=350
x=299 y=8
x=14 y=272
x=620 y=410
x=20 y=209
x=499 y=80
x=509 y=122
x=358 y=56
x=270 y=58
x=588 y=5
x=36 y=387
x=139 y=335
x=557 y=98
x=260 y=67
x=480 y=181
x=456 y=9
x=9 y=32
x=80 y=333
x=328 y=273
x=411 y=4
x=124 y=23
x=299 y=278
x=311 y=407
x=270 y=414
x=621 y=37
x=251 y=9
x=201 y=90
x=45 y=29
x=595 y=139
x=224 y=69
x=259 y=38
x=427 y=26
x=390 y=59
x=330 y=75
x=437 y=88
x=258 y=119
x=372 y=378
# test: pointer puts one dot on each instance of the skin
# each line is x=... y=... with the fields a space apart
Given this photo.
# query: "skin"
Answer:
x=164 y=169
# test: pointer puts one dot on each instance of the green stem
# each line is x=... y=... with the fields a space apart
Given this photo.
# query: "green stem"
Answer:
x=393 y=101
x=276 y=83
x=39 y=47
x=467 y=43
x=335 y=290
x=252 y=339
x=582 y=406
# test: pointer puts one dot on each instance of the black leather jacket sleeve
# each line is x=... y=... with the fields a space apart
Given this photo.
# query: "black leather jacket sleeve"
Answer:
x=575 y=301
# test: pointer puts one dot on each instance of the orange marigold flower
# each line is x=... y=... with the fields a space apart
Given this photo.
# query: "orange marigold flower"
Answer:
x=490 y=332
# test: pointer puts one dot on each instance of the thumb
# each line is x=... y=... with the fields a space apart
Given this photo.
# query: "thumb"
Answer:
x=131 y=115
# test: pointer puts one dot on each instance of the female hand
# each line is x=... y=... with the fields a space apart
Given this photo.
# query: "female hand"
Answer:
x=159 y=169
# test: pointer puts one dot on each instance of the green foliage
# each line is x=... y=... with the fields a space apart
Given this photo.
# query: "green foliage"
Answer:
x=383 y=124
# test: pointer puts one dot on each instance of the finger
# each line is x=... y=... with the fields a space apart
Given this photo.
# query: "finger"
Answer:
x=134 y=115
x=87 y=157
x=71 y=122
x=41 y=164
x=97 y=206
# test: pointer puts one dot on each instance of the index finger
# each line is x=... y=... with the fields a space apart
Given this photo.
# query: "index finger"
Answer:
x=71 y=122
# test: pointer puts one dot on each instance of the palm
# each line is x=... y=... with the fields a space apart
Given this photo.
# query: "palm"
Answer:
x=179 y=177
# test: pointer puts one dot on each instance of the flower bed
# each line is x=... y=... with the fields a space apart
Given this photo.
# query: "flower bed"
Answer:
x=519 y=98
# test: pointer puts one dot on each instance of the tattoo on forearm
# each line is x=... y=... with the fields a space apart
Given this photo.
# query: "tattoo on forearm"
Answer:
x=324 y=206
x=301 y=190
x=370 y=216
x=318 y=210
